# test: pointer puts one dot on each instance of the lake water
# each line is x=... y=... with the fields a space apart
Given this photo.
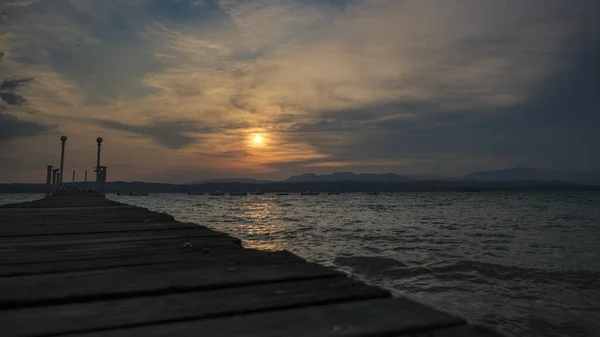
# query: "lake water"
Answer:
x=527 y=264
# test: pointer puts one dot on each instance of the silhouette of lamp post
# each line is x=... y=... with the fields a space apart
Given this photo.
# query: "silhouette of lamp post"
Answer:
x=99 y=141
x=62 y=159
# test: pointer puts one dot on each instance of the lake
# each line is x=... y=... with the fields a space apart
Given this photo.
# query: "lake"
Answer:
x=525 y=263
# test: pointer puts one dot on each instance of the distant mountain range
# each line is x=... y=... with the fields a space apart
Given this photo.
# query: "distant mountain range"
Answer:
x=513 y=174
x=509 y=179
x=347 y=176
x=529 y=174
x=230 y=180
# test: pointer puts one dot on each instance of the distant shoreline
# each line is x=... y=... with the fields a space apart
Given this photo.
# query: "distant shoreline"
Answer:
x=322 y=187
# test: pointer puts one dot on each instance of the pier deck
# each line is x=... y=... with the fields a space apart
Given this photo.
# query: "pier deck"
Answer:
x=82 y=265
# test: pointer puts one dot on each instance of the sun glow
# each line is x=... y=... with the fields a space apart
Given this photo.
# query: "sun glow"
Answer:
x=257 y=139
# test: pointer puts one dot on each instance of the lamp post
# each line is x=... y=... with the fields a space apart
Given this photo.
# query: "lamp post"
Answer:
x=99 y=141
x=63 y=139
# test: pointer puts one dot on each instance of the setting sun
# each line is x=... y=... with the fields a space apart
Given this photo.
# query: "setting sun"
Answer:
x=257 y=139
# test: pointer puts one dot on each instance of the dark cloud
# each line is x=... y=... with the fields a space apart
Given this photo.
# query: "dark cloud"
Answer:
x=12 y=128
x=182 y=12
x=8 y=91
x=171 y=134
x=103 y=53
x=557 y=126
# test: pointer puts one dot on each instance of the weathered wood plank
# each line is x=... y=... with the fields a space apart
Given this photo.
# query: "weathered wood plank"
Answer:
x=81 y=252
x=29 y=230
x=63 y=201
x=22 y=291
x=122 y=236
x=87 y=213
x=56 y=211
x=74 y=247
x=74 y=220
x=81 y=317
x=197 y=257
x=381 y=317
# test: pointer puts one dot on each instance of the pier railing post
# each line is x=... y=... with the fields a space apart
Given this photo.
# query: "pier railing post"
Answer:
x=54 y=178
x=48 y=181
x=104 y=180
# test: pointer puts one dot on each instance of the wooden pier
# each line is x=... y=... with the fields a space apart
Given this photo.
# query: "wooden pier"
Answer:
x=82 y=265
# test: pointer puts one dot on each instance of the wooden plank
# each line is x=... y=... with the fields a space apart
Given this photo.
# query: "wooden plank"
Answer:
x=95 y=237
x=381 y=317
x=25 y=230
x=81 y=218
x=99 y=212
x=229 y=258
x=116 y=241
x=80 y=252
x=71 y=318
x=73 y=221
x=57 y=211
x=23 y=291
x=67 y=202
x=110 y=244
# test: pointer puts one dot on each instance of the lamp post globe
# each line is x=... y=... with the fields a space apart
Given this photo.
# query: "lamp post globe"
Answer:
x=63 y=138
x=99 y=140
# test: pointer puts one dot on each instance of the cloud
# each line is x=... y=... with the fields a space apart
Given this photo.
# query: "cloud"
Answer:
x=558 y=121
x=12 y=127
x=171 y=134
x=328 y=83
x=8 y=89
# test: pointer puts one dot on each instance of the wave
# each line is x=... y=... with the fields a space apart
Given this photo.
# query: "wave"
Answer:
x=369 y=264
x=467 y=270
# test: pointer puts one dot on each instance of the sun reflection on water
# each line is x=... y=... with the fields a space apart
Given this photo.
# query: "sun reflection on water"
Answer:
x=260 y=224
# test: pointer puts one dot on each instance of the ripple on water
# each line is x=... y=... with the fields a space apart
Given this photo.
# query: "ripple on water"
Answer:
x=525 y=263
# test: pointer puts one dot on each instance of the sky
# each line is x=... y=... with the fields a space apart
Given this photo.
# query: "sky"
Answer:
x=183 y=90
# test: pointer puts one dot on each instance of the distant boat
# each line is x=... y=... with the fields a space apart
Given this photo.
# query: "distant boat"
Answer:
x=283 y=194
x=195 y=193
x=239 y=194
x=333 y=193
x=310 y=193
x=257 y=193
x=133 y=194
x=372 y=193
x=216 y=193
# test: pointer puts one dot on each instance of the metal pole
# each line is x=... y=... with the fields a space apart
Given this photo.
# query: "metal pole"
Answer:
x=48 y=181
x=104 y=180
x=99 y=141
x=98 y=156
x=62 y=159
x=73 y=176
x=85 y=176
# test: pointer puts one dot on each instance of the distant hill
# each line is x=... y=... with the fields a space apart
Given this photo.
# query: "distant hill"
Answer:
x=322 y=186
x=230 y=180
x=530 y=174
x=347 y=176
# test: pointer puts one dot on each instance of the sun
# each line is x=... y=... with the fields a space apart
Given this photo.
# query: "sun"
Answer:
x=257 y=139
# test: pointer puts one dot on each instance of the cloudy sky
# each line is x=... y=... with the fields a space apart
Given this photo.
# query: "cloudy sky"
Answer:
x=190 y=89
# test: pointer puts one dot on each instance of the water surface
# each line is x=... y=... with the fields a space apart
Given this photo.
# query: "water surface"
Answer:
x=527 y=264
